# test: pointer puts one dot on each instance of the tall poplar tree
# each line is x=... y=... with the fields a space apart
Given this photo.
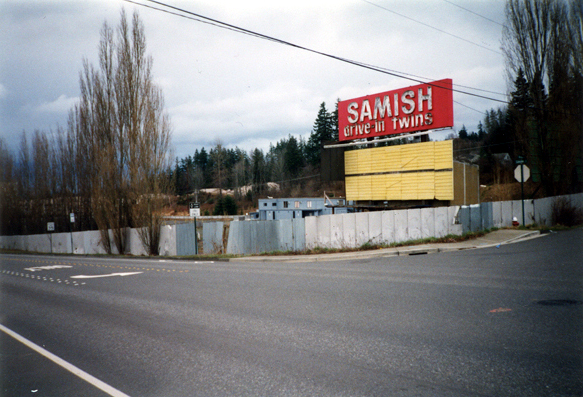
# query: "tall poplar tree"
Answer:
x=124 y=136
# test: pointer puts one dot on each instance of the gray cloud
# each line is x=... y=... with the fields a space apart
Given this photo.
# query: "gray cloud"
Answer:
x=245 y=91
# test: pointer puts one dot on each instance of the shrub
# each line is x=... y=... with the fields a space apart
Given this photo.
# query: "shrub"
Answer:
x=565 y=213
x=225 y=206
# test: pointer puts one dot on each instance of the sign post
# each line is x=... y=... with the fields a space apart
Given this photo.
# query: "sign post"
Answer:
x=521 y=173
x=51 y=228
x=72 y=218
x=194 y=211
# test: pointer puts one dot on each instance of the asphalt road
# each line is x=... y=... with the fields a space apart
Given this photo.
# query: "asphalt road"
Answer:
x=502 y=321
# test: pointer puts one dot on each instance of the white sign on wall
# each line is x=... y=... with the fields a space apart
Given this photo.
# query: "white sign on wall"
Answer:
x=194 y=209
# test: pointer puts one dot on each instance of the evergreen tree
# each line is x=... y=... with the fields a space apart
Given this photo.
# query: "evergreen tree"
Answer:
x=229 y=205
x=293 y=158
x=201 y=161
x=500 y=137
x=334 y=122
x=520 y=113
x=321 y=132
x=481 y=132
x=258 y=170
x=463 y=134
x=226 y=205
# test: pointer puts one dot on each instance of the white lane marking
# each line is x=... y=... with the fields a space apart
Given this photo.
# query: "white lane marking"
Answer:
x=107 y=275
x=52 y=267
x=69 y=367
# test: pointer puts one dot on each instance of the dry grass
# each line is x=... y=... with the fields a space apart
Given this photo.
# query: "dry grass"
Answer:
x=451 y=238
x=508 y=191
x=565 y=213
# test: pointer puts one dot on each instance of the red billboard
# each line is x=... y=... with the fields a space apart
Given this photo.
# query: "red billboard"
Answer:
x=417 y=108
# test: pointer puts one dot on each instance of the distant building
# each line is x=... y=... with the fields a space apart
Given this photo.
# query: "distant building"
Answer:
x=290 y=208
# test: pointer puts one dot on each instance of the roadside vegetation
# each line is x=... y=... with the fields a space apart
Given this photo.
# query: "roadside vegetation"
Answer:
x=369 y=246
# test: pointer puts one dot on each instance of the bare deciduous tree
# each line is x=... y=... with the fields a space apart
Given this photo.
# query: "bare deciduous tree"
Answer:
x=124 y=135
x=540 y=42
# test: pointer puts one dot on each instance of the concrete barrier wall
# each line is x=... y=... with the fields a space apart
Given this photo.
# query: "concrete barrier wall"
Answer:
x=427 y=222
x=440 y=223
x=168 y=243
x=386 y=227
x=86 y=243
x=348 y=230
x=401 y=225
x=134 y=243
x=89 y=242
x=254 y=237
x=543 y=209
x=185 y=239
x=382 y=227
x=212 y=237
x=329 y=231
x=576 y=200
x=413 y=224
x=299 y=234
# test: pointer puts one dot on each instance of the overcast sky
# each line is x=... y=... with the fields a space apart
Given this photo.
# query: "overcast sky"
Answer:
x=245 y=91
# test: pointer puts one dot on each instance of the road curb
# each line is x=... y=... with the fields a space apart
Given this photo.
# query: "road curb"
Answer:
x=408 y=251
x=525 y=236
x=390 y=252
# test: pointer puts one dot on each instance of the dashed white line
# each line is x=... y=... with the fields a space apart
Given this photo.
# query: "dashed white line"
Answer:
x=42 y=278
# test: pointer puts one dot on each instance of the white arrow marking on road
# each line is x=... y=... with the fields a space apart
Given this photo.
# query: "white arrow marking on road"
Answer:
x=106 y=275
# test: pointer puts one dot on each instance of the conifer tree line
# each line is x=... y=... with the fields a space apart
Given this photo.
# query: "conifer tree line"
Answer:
x=288 y=162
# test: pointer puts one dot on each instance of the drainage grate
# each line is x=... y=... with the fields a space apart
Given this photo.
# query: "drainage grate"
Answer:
x=559 y=302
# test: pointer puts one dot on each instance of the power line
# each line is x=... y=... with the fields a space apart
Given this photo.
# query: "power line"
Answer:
x=479 y=147
x=471 y=108
x=431 y=27
x=433 y=79
x=475 y=13
x=402 y=75
x=217 y=23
